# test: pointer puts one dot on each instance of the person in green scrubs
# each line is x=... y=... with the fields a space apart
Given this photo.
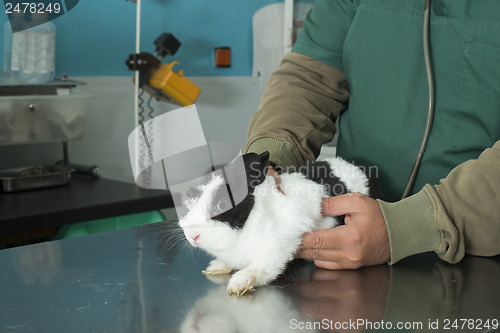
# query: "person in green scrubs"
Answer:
x=360 y=63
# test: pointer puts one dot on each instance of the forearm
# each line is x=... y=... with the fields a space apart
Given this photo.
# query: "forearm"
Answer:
x=460 y=215
x=467 y=207
x=297 y=112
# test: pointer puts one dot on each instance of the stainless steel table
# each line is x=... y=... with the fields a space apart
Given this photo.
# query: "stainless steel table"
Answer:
x=130 y=281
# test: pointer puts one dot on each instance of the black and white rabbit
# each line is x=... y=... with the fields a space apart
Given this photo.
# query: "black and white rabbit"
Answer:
x=260 y=235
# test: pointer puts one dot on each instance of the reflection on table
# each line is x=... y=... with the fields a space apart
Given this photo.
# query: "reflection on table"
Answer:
x=133 y=280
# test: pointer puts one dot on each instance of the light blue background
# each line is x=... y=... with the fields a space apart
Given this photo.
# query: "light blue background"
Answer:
x=96 y=37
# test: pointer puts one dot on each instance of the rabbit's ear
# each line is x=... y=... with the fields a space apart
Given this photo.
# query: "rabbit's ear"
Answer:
x=256 y=167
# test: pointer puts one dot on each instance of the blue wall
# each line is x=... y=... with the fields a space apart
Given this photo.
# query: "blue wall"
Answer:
x=96 y=37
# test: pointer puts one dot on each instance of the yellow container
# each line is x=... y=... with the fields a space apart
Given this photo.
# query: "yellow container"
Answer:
x=172 y=84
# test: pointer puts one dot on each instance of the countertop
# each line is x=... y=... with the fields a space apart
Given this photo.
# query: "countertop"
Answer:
x=83 y=199
x=138 y=280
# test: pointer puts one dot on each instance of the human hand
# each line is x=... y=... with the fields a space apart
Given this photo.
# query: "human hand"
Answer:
x=362 y=241
x=343 y=296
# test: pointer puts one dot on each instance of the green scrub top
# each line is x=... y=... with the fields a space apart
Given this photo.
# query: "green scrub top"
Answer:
x=378 y=45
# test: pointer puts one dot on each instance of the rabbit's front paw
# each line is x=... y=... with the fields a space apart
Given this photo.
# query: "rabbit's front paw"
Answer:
x=241 y=282
x=217 y=268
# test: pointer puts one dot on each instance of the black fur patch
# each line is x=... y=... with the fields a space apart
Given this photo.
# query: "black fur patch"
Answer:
x=374 y=191
x=256 y=170
x=238 y=215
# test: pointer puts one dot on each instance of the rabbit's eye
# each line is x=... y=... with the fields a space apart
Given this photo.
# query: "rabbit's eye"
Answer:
x=222 y=205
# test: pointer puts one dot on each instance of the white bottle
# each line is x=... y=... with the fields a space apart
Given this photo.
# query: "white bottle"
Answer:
x=33 y=52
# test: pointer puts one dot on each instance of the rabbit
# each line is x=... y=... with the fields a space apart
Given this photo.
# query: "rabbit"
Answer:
x=260 y=235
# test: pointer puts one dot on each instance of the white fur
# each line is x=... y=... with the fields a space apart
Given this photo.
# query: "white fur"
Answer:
x=273 y=231
x=351 y=175
x=197 y=221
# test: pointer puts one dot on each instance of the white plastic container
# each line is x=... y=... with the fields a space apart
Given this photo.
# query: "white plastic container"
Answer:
x=30 y=54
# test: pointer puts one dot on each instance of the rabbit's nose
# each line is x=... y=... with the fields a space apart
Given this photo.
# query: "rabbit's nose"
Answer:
x=195 y=239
